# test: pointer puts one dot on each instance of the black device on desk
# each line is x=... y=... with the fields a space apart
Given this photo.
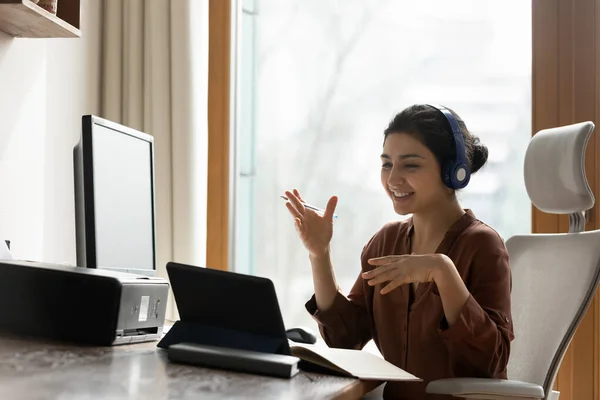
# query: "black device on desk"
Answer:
x=234 y=359
x=227 y=310
x=81 y=305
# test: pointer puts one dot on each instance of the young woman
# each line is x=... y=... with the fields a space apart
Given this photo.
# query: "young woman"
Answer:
x=434 y=291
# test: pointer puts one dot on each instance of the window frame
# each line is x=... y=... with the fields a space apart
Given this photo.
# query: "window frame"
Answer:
x=221 y=110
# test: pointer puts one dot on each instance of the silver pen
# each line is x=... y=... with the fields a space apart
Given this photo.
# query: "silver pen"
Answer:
x=319 y=210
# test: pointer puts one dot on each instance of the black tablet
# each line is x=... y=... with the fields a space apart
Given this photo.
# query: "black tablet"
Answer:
x=228 y=308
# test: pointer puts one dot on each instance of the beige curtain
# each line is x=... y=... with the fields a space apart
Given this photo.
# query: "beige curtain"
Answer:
x=155 y=79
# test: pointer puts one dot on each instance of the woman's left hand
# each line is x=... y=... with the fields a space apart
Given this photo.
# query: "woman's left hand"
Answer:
x=399 y=270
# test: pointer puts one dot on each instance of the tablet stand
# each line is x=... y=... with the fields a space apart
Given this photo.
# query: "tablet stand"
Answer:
x=193 y=332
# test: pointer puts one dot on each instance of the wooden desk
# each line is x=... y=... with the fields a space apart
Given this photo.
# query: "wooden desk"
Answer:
x=41 y=370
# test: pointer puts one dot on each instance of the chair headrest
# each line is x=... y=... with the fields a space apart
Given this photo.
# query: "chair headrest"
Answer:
x=555 y=169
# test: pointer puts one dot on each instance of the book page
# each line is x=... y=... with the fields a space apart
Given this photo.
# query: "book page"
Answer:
x=310 y=356
x=360 y=364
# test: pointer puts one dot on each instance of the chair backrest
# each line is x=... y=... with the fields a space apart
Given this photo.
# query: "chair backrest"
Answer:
x=554 y=276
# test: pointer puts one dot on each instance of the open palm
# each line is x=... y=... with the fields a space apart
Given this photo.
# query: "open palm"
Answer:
x=314 y=230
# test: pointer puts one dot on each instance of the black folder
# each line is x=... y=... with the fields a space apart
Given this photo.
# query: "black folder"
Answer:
x=233 y=359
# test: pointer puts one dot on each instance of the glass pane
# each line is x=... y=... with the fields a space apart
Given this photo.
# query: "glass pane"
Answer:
x=329 y=75
x=244 y=215
x=249 y=5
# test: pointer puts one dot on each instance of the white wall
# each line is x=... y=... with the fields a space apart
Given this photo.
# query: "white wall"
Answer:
x=46 y=85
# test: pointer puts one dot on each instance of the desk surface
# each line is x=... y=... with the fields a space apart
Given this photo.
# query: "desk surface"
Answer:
x=42 y=370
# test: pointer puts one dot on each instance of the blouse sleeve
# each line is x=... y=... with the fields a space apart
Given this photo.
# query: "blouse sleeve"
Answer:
x=346 y=323
x=481 y=336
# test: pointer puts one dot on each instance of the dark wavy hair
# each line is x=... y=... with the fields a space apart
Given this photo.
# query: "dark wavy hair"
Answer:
x=430 y=127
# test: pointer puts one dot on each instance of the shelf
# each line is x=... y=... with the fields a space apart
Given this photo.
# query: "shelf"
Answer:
x=22 y=18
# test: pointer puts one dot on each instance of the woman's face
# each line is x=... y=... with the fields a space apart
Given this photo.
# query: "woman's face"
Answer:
x=411 y=175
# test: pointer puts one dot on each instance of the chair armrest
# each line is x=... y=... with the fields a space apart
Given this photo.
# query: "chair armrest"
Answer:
x=485 y=388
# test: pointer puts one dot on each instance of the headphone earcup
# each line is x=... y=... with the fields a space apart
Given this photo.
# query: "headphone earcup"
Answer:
x=456 y=176
x=461 y=176
x=447 y=172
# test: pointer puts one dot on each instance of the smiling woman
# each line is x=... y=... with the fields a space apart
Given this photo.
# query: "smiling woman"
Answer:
x=441 y=258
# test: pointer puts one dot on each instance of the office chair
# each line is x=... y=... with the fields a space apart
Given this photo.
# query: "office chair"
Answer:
x=554 y=276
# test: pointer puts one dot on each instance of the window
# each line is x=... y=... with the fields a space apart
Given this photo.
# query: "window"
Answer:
x=320 y=80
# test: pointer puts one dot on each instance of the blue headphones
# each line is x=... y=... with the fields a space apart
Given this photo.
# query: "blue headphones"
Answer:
x=455 y=173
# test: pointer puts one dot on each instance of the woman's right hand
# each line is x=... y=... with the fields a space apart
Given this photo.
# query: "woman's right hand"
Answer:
x=314 y=230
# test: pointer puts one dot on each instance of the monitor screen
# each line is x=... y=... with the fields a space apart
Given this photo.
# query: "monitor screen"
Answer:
x=115 y=197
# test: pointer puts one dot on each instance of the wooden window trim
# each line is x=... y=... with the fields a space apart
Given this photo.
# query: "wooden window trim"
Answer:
x=219 y=63
x=565 y=90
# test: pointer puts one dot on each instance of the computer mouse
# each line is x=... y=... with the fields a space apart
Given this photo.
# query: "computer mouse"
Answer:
x=301 y=335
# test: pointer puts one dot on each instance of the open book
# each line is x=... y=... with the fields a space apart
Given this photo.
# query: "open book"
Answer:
x=355 y=363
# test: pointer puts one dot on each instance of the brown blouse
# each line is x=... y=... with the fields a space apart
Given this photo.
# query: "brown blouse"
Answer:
x=410 y=330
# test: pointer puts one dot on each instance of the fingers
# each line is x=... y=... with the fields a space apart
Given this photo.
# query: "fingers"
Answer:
x=297 y=193
x=385 y=276
x=393 y=285
x=377 y=271
x=293 y=211
x=295 y=202
x=385 y=260
x=329 y=210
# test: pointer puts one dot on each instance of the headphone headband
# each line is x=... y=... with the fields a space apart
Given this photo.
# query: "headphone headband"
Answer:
x=455 y=173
